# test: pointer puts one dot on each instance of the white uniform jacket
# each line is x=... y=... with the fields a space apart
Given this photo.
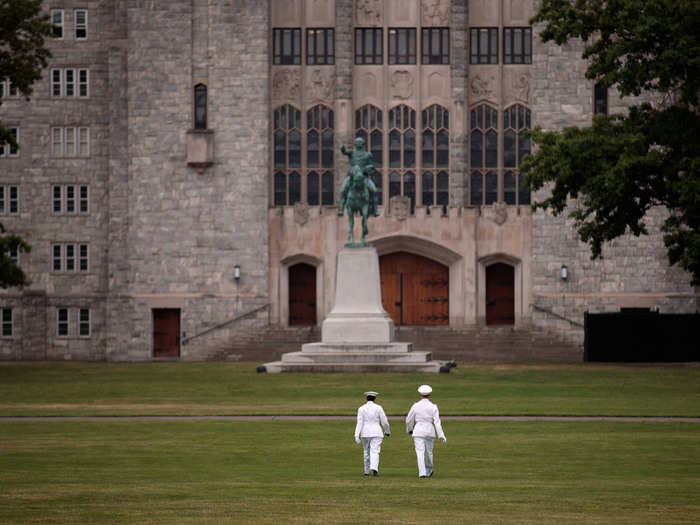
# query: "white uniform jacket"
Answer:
x=421 y=418
x=370 y=420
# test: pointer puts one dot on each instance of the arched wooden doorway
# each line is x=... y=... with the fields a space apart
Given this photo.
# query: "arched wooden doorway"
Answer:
x=302 y=294
x=500 y=294
x=415 y=289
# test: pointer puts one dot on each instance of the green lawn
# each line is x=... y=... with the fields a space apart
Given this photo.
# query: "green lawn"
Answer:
x=209 y=472
x=236 y=389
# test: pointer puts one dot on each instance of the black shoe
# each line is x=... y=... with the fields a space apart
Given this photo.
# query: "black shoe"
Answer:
x=366 y=474
x=375 y=473
x=431 y=474
x=422 y=476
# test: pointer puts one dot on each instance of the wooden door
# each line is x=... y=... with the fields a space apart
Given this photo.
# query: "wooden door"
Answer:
x=415 y=289
x=302 y=294
x=166 y=332
x=500 y=294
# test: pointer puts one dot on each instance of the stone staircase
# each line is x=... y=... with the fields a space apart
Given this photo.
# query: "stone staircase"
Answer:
x=463 y=344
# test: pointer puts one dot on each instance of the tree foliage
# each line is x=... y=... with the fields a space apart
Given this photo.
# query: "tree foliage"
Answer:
x=23 y=54
x=622 y=165
x=10 y=273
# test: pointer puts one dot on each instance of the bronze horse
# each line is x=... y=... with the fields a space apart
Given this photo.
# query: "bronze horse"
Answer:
x=356 y=197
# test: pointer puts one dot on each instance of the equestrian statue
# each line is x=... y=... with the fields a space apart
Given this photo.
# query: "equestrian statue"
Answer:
x=358 y=193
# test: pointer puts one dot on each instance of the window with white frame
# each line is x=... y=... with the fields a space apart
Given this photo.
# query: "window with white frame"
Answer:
x=7 y=322
x=70 y=198
x=62 y=322
x=11 y=150
x=14 y=255
x=70 y=82
x=9 y=199
x=57 y=20
x=81 y=24
x=84 y=322
x=69 y=257
x=73 y=322
x=70 y=141
x=8 y=89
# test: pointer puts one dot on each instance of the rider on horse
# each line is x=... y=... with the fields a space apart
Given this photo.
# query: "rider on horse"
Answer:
x=362 y=159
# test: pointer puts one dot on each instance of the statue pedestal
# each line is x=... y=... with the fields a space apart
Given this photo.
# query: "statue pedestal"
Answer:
x=358 y=335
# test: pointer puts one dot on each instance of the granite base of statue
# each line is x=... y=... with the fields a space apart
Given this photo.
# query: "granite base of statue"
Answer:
x=358 y=335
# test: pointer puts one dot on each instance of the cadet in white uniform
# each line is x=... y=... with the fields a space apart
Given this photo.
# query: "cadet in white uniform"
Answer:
x=419 y=423
x=370 y=420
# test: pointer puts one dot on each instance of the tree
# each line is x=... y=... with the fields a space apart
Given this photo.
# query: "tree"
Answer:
x=613 y=172
x=23 y=55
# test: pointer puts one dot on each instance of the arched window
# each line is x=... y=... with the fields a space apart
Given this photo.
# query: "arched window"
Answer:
x=402 y=152
x=435 y=156
x=369 y=126
x=515 y=120
x=319 y=155
x=287 y=155
x=483 y=145
x=200 y=106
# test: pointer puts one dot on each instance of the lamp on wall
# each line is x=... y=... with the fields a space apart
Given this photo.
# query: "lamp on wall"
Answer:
x=236 y=272
x=564 y=273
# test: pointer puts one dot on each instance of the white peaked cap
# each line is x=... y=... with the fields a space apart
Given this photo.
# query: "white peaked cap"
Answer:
x=424 y=390
x=371 y=393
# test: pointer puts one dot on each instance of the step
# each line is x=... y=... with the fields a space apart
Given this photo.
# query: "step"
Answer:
x=355 y=357
x=342 y=348
x=280 y=366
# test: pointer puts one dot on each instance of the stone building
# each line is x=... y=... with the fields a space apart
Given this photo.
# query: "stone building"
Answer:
x=179 y=172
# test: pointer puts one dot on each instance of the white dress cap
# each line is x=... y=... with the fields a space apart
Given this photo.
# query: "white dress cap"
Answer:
x=371 y=393
x=424 y=390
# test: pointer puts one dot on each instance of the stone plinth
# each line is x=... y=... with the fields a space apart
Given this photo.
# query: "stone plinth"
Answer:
x=358 y=335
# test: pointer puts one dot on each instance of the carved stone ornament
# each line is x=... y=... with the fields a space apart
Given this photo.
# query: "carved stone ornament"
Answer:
x=521 y=88
x=402 y=84
x=400 y=207
x=436 y=12
x=500 y=213
x=482 y=87
x=285 y=85
x=301 y=213
x=368 y=12
x=320 y=86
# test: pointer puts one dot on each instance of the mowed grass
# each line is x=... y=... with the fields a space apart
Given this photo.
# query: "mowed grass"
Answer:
x=210 y=472
x=31 y=389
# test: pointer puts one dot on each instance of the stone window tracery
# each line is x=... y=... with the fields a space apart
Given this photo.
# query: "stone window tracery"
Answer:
x=369 y=126
x=435 y=158
x=287 y=155
x=402 y=152
x=516 y=119
x=483 y=140
x=319 y=155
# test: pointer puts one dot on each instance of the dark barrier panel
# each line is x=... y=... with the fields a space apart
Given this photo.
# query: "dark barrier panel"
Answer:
x=642 y=336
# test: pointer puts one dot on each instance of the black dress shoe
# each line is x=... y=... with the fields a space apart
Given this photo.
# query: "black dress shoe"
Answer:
x=366 y=474
x=431 y=474
x=375 y=473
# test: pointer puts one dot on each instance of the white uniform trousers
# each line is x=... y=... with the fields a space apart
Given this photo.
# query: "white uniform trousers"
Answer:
x=424 y=454
x=371 y=446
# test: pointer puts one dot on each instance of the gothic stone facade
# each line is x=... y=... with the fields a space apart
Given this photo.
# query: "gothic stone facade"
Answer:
x=138 y=205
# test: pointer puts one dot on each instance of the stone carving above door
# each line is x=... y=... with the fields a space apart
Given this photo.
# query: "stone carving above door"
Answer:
x=368 y=12
x=301 y=213
x=482 y=87
x=320 y=86
x=436 y=12
x=285 y=85
x=401 y=85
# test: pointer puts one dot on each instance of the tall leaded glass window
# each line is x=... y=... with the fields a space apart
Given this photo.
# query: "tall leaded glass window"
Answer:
x=435 y=155
x=286 y=46
x=516 y=119
x=319 y=155
x=369 y=126
x=600 y=99
x=402 y=152
x=287 y=155
x=483 y=145
x=200 y=106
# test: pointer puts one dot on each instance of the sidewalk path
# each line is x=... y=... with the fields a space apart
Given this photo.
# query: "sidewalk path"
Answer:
x=624 y=419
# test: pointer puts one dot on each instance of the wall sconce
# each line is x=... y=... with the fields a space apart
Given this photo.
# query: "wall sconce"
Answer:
x=236 y=272
x=564 y=272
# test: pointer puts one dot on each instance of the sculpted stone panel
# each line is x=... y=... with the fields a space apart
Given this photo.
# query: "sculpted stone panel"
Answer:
x=285 y=85
x=368 y=12
x=320 y=85
x=400 y=207
x=482 y=86
x=436 y=12
x=484 y=13
x=402 y=85
x=517 y=86
x=286 y=13
x=320 y=13
x=436 y=86
x=401 y=13
x=517 y=12
x=367 y=87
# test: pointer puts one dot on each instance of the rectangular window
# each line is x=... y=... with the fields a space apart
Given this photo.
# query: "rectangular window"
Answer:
x=69 y=144
x=83 y=82
x=69 y=87
x=483 y=45
x=56 y=82
x=435 y=45
x=57 y=199
x=2 y=200
x=83 y=257
x=57 y=142
x=368 y=45
x=600 y=102
x=70 y=199
x=14 y=199
x=81 y=24
x=14 y=255
x=84 y=322
x=402 y=45
x=57 y=21
x=70 y=257
x=83 y=142
x=62 y=322
x=12 y=89
x=11 y=150
x=56 y=251
x=84 y=200
x=287 y=46
x=70 y=82
x=320 y=46
x=7 y=325
x=517 y=45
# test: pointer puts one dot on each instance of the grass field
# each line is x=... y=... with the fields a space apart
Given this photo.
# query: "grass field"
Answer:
x=234 y=389
x=310 y=472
